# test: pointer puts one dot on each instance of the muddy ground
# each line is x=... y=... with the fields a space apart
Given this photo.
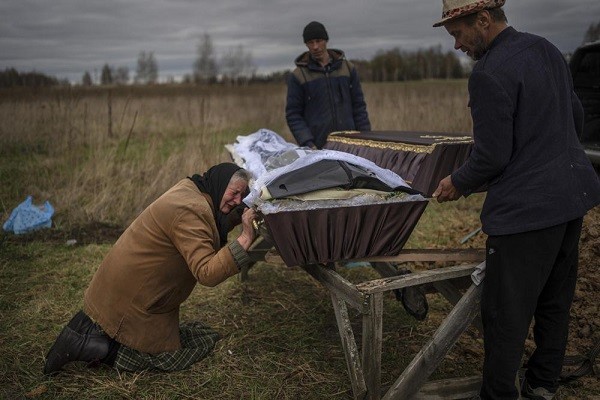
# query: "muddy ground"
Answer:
x=584 y=327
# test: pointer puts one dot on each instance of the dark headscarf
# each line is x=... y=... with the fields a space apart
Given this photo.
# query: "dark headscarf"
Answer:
x=214 y=182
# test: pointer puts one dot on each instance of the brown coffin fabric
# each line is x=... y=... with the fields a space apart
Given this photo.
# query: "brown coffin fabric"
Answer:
x=335 y=234
x=420 y=158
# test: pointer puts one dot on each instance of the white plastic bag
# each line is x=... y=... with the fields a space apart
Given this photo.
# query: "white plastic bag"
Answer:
x=479 y=274
x=27 y=217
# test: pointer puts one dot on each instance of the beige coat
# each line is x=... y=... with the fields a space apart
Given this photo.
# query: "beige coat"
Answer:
x=136 y=292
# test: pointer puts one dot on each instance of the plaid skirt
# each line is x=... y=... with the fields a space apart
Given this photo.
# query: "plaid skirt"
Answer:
x=197 y=341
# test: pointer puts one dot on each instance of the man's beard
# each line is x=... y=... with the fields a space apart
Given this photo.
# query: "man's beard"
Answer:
x=479 y=47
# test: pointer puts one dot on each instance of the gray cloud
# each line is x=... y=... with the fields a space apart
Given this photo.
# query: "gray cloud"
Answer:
x=64 y=38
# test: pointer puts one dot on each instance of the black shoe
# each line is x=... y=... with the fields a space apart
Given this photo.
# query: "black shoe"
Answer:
x=80 y=340
x=413 y=299
x=539 y=393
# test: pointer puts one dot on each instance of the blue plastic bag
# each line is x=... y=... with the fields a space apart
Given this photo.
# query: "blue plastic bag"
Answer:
x=27 y=217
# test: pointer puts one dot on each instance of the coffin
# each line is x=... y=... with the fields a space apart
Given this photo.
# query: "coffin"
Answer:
x=308 y=234
x=421 y=158
x=341 y=233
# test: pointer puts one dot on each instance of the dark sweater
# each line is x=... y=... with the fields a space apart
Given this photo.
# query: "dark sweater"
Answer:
x=526 y=120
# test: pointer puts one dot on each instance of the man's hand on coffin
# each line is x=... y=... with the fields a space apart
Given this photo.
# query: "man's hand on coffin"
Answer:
x=247 y=236
x=446 y=191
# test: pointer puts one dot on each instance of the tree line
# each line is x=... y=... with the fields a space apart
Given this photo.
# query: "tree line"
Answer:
x=146 y=72
x=390 y=65
x=237 y=67
x=10 y=77
x=399 y=65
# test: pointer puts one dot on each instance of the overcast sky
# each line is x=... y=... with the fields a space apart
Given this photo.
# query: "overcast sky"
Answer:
x=64 y=38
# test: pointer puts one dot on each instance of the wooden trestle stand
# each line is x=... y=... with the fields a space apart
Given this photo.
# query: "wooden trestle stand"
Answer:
x=422 y=158
x=364 y=365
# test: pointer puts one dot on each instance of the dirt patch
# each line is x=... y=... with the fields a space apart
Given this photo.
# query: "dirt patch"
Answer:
x=584 y=325
x=93 y=232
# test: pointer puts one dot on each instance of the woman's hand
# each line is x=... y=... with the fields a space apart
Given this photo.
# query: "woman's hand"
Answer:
x=247 y=236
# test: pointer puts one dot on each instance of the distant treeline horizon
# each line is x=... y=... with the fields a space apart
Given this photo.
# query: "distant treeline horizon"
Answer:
x=385 y=66
x=237 y=67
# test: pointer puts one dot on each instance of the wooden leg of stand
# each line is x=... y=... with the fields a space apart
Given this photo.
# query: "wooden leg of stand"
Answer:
x=359 y=388
x=372 y=342
x=432 y=354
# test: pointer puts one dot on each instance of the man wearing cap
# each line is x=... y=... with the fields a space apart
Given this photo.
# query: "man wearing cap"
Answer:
x=324 y=93
x=526 y=121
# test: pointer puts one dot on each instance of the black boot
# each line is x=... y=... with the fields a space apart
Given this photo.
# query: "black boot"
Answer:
x=414 y=301
x=539 y=393
x=82 y=324
x=80 y=340
x=413 y=298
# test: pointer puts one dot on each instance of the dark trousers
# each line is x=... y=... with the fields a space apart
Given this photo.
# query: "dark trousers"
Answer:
x=528 y=275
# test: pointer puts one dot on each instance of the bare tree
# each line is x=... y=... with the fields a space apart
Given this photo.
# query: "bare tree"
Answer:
x=106 y=75
x=592 y=34
x=152 y=69
x=140 y=71
x=86 y=80
x=205 y=66
x=147 y=69
x=121 y=76
x=237 y=64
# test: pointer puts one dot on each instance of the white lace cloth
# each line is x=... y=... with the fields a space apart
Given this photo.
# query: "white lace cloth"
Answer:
x=255 y=149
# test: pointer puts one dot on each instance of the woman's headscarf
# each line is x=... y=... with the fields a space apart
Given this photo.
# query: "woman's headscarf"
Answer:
x=214 y=182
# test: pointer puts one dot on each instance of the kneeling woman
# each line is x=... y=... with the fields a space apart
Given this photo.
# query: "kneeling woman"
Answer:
x=130 y=317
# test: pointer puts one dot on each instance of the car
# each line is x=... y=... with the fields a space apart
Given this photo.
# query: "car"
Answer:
x=585 y=69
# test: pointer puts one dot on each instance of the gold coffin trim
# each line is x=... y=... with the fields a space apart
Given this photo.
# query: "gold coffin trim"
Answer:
x=415 y=148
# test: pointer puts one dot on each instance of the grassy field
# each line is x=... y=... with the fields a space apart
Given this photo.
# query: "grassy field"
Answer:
x=104 y=155
x=101 y=156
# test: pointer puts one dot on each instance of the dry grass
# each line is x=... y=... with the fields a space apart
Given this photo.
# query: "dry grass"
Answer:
x=419 y=106
x=280 y=338
x=101 y=155
x=95 y=168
